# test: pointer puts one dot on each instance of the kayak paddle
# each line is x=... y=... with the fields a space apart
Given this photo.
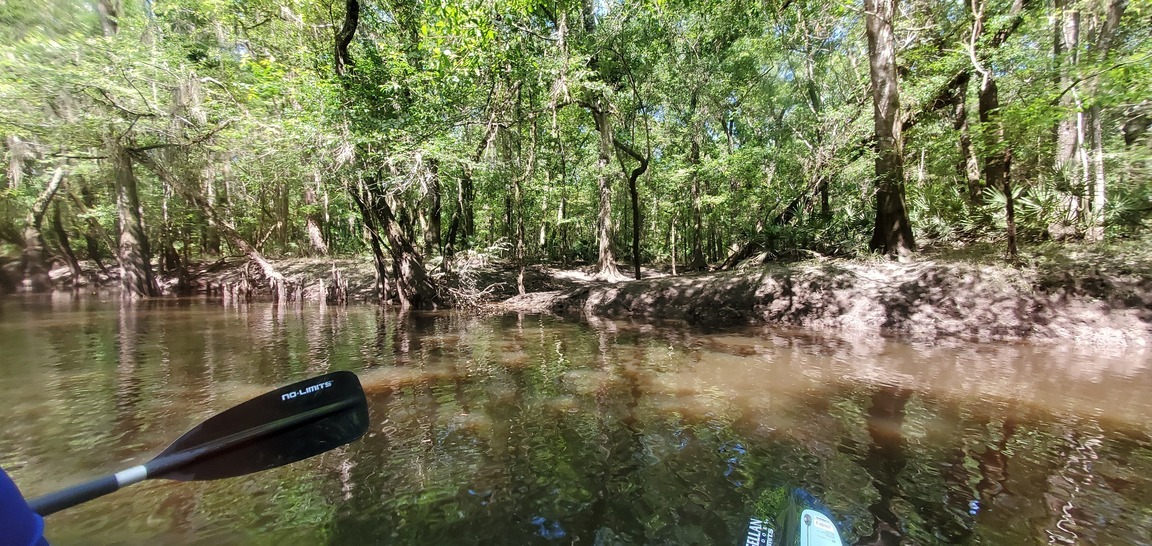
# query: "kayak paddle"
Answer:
x=276 y=428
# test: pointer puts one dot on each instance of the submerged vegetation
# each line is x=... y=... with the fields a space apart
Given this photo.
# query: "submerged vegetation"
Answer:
x=432 y=134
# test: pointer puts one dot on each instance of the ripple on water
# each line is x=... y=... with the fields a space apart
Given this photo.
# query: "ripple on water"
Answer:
x=496 y=430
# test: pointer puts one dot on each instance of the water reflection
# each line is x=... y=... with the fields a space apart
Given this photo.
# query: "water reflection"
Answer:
x=522 y=429
x=129 y=389
x=885 y=461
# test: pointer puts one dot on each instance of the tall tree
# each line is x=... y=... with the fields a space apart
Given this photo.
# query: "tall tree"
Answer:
x=998 y=154
x=893 y=229
x=1105 y=27
x=33 y=259
x=316 y=217
x=599 y=105
x=1071 y=158
x=696 y=139
x=605 y=173
x=133 y=251
x=416 y=288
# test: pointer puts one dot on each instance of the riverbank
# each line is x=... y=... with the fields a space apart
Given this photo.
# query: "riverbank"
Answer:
x=1092 y=295
x=1087 y=298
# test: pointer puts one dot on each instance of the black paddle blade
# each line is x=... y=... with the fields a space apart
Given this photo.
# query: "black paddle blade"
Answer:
x=286 y=425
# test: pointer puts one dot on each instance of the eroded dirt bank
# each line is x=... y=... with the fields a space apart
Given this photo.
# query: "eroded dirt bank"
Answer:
x=928 y=300
x=1095 y=298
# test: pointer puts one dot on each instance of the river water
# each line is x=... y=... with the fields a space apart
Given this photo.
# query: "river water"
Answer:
x=533 y=430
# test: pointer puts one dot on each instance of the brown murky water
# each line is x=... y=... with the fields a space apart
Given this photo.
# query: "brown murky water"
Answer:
x=532 y=430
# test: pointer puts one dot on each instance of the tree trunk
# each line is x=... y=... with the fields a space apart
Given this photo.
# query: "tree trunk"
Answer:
x=65 y=245
x=462 y=226
x=816 y=106
x=508 y=206
x=343 y=60
x=314 y=219
x=998 y=162
x=1104 y=39
x=562 y=226
x=454 y=222
x=967 y=168
x=1099 y=194
x=893 y=231
x=562 y=230
x=415 y=288
x=697 y=260
x=1069 y=143
x=462 y=216
x=169 y=258
x=998 y=158
x=432 y=231
x=518 y=198
x=34 y=261
x=92 y=246
x=606 y=258
x=18 y=152
x=634 y=196
x=133 y=252
x=109 y=14
x=825 y=201
x=359 y=196
x=519 y=251
x=284 y=216
x=210 y=242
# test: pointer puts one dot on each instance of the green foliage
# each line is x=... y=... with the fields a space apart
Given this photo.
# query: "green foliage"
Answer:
x=241 y=101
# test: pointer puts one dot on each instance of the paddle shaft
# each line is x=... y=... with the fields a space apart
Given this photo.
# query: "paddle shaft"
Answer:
x=67 y=498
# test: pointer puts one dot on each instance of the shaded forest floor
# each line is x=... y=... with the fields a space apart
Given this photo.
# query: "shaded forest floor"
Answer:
x=1095 y=295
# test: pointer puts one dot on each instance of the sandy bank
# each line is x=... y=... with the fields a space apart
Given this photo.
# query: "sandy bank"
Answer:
x=927 y=300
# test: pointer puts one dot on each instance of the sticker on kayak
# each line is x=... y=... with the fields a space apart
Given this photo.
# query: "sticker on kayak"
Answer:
x=817 y=530
x=759 y=533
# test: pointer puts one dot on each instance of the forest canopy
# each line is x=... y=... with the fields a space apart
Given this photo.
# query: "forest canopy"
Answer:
x=152 y=134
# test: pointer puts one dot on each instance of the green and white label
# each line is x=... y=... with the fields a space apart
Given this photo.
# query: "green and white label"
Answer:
x=817 y=530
